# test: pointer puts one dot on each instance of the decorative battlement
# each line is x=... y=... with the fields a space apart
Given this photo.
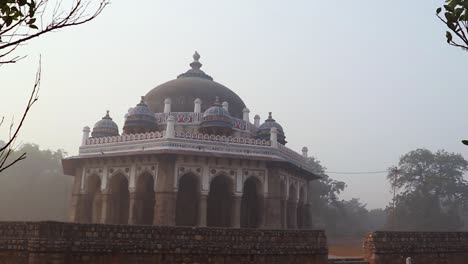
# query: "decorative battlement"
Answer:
x=235 y=140
x=193 y=118
x=195 y=142
x=124 y=138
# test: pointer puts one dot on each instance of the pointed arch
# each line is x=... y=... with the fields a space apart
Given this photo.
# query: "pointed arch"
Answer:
x=220 y=201
x=300 y=208
x=252 y=203
x=292 y=207
x=119 y=196
x=144 y=196
x=187 y=201
x=93 y=205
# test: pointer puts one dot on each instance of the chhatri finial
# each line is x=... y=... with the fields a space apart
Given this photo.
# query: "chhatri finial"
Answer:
x=269 y=115
x=217 y=101
x=196 y=65
x=142 y=100
x=107 y=116
x=196 y=56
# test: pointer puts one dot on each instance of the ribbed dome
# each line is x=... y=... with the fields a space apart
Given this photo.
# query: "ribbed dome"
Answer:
x=189 y=86
x=105 y=127
x=263 y=132
x=139 y=119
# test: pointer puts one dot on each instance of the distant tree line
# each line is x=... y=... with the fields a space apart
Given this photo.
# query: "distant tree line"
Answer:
x=36 y=189
x=340 y=218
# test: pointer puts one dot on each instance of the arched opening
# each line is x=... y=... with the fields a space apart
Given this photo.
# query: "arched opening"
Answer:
x=188 y=195
x=94 y=199
x=144 y=204
x=292 y=208
x=300 y=209
x=119 y=199
x=220 y=199
x=251 y=204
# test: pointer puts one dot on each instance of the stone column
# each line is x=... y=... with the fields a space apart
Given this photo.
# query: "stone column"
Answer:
x=305 y=152
x=274 y=137
x=131 y=208
x=105 y=211
x=202 y=210
x=245 y=114
x=75 y=207
x=167 y=105
x=236 y=211
x=166 y=193
x=164 y=208
x=256 y=120
x=170 y=129
x=86 y=131
x=263 y=212
x=226 y=106
x=272 y=212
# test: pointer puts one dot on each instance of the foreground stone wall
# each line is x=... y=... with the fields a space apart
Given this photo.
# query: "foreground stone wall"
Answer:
x=422 y=247
x=59 y=243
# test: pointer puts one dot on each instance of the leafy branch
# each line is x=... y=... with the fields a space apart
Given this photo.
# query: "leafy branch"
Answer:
x=455 y=17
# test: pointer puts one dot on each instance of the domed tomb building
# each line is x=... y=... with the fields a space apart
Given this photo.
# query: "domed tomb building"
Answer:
x=189 y=155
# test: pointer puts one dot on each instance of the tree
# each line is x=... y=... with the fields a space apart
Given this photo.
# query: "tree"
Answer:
x=36 y=190
x=456 y=19
x=323 y=196
x=22 y=21
x=431 y=193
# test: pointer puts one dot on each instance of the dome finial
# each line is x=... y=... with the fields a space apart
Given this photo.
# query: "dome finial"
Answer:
x=196 y=64
x=269 y=115
x=142 y=100
x=217 y=101
x=107 y=116
x=196 y=56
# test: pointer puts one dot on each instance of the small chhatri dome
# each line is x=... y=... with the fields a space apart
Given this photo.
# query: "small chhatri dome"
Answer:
x=216 y=120
x=105 y=127
x=263 y=131
x=139 y=119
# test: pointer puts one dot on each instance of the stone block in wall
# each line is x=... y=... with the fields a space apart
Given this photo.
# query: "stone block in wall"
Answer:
x=423 y=247
x=60 y=243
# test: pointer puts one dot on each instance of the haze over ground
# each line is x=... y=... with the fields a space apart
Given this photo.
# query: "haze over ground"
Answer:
x=359 y=83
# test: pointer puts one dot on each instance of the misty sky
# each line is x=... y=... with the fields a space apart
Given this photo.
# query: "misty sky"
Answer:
x=358 y=82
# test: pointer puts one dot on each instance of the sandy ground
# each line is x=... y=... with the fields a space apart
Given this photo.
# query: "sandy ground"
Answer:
x=345 y=247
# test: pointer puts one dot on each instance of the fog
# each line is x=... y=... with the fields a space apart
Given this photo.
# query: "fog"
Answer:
x=359 y=84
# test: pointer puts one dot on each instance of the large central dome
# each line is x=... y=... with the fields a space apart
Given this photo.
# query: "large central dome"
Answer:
x=189 y=86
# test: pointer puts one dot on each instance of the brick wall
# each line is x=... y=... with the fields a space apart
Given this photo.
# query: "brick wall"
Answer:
x=423 y=247
x=57 y=243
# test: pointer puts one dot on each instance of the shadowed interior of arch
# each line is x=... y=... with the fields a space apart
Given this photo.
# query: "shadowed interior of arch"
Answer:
x=187 y=202
x=300 y=209
x=292 y=208
x=94 y=200
x=144 y=206
x=220 y=202
x=119 y=199
x=251 y=204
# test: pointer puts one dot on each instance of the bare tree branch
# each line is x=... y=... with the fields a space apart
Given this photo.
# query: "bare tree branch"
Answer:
x=7 y=149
